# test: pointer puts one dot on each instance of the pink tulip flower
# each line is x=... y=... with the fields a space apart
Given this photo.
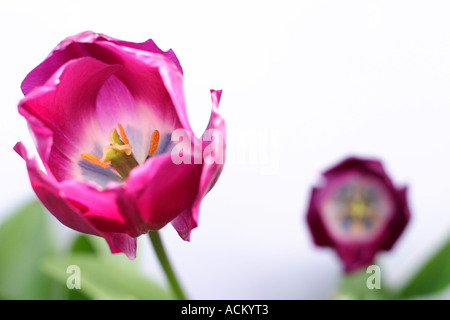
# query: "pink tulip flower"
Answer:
x=357 y=211
x=102 y=112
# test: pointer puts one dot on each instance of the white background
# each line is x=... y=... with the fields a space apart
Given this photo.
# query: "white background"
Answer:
x=306 y=83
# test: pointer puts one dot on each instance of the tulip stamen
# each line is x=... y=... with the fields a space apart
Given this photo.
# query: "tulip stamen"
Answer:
x=123 y=135
x=94 y=159
x=118 y=154
x=154 y=141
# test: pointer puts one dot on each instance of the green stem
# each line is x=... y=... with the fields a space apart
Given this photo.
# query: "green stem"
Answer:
x=165 y=264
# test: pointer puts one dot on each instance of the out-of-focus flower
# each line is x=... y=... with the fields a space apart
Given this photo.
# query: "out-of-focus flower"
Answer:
x=358 y=211
x=102 y=112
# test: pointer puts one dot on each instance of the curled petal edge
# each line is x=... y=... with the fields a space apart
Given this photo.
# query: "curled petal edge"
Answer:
x=188 y=219
x=59 y=56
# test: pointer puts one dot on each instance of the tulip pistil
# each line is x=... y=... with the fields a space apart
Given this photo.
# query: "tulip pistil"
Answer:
x=118 y=153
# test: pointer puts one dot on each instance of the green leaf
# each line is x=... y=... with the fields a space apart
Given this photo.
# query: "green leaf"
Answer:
x=110 y=277
x=83 y=244
x=354 y=286
x=432 y=277
x=24 y=242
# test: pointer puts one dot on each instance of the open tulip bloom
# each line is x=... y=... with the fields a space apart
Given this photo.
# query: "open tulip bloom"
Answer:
x=357 y=211
x=111 y=129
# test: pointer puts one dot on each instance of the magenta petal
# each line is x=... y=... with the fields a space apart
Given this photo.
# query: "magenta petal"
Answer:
x=162 y=190
x=173 y=82
x=320 y=235
x=97 y=206
x=50 y=193
x=47 y=190
x=370 y=166
x=115 y=105
x=69 y=49
x=188 y=219
x=63 y=113
x=398 y=222
x=150 y=46
x=141 y=62
x=39 y=75
x=153 y=81
x=186 y=222
x=122 y=243
x=211 y=171
x=356 y=256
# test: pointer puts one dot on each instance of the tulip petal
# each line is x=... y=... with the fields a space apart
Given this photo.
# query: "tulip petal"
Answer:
x=72 y=48
x=150 y=46
x=51 y=194
x=162 y=189
x=116 y=105
x=356 y=256
x=188 y=219
x=69 y=49
x=398 y=222
x=153 y=78
x=98 y=206
x=155 y=84
x=44 y=71
x=314 y=219
x=369 y=166
x=66 y=108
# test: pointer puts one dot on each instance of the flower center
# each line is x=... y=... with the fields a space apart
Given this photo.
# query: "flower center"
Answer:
x=356 y=207
x=358 y=210
x=118 y=154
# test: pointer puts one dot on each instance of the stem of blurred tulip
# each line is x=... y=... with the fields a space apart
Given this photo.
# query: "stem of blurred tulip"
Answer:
x=165 y=264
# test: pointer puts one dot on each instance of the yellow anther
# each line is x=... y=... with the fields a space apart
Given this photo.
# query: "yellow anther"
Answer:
x=154 y=141
x=94 y=159
x=123 y=135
